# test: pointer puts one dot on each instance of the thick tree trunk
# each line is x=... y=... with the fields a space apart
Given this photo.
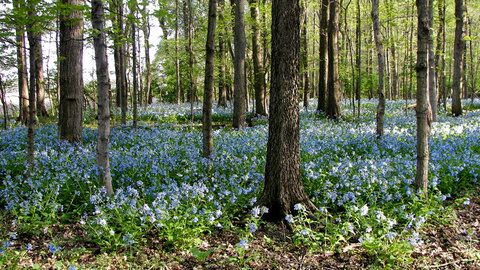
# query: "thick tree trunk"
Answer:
x=459 y=47
x=258 y=72
x=333 y=84
x=432 y=84
x=423 y=104
x=71 y=73
x=209 y=82
x=103 y=87
x=381 y=69
x=239 y=66
x=21 y=69
x=322 y=64
x=283 y=185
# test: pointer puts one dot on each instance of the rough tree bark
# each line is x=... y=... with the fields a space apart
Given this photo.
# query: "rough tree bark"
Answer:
x=103 y=87
x=358 y=60
x=322 y=64
x=178 y=85
x=239 y=66
x=208 y=87
x=71 y=73
x=381 y=69
x=222 y=89
x=440 y=53
x=424 y=116
x=134 y=68
x=148 y=69
x=258 y=72
x=333 y=84
x=458 y=51
x=432 y=84
x=21 y=68
x=32 y=105
x=283 y=185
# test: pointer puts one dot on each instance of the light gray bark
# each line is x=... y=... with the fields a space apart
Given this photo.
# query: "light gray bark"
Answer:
x=103 y=87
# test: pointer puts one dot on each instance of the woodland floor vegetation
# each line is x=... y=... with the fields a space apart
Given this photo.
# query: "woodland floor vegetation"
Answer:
x=174 y=209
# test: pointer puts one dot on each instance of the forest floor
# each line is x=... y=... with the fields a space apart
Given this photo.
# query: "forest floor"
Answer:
x=450 y=242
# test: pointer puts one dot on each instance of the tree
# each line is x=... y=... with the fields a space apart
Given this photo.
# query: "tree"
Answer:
x=423 y=110
x=21 y=64
x=119 y=52
x=3 y=99
x=333 y=83
x=178 y=85
x=208 y=87
x=322 y=65
x=381 y=69
x=133 y=8
x=103 y=87
x=148 y=69
x=283 y=185
x=239 y=66
x=432 y=84
x=440 y=54
x=222 y=88
x=458 y=52
x=258 y=72
x=32 y=105
x=358 y=60
x=71 y=72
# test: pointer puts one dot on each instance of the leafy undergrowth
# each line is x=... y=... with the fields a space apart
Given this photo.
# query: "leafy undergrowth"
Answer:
x=451 y=242
x=174 y=209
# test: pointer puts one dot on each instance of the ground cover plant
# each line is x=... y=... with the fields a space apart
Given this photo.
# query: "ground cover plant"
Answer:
x=173 y=208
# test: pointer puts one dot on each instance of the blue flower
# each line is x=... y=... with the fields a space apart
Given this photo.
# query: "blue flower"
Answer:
x=53 y=248
x=29 y=247
x=289 y=219
x=243 y=243
x=252 y=227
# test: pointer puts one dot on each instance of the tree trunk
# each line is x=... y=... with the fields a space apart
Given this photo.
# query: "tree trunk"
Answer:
x=21 y=68
x=148 y=69
x=134 y=65
x=189 y=26
x=32 y=105
x=40 y=87
x=459 y=46
x=423 y=104
x=440 y=56
x=103 y=87
x=322 y=64
x=239 y=66
x=3 y=98
x=304 y=58
x=222 y=88
x=258 y=72
x=178 y=85
x=209 y=82
x=333 y=84
x=283 y=185
x=71 y=73
x=358 y=60
x=123 y=64
x=432 y=84
x=381 y=69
